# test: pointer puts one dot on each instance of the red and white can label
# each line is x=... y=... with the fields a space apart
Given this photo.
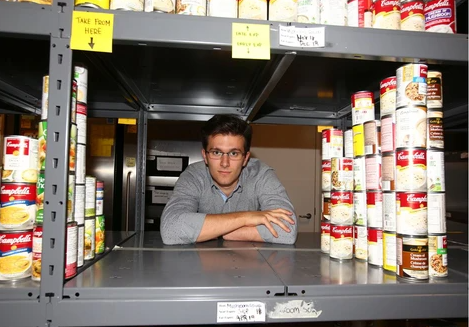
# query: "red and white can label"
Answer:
x=359 y=208
x=436 y=171
x=440 y=16
x=326 y=175
x=412 y=257
x=71 y=253
x=372 y=134
x=15 y=255
x=373 y=172
x=412 y=15
x=374 y=209
x=363 y=107
x=341 y=242
x=389 y=172
x=359 y=174
x=388 y=133
x=18 y=206
x=386 y=14
x=411 y=85
x=325 y=236
x=332 y=143
x=82 y=112
x=389 y=212
x=411 y=170
x=356 y=12
x=375 y=246
x=20 y=153
x=389 y=251
x=37 y=253
x=342 y=208
x=436 y=213
x=387 y=90
x=411 y=213
x=341 y=174
x=438 y=256
x=360 y=242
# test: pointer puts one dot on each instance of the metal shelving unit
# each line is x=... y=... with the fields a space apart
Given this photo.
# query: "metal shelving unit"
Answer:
x=182 y=285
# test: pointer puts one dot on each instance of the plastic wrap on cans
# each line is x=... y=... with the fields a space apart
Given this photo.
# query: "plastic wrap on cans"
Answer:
x=436 y=171
x=360 y=242
x=434 y=90
x=412 y=15
x=283 y=10
x=79 y=212
x=252 y=9
x=100 y=234
x=36 y=253
x=90 y=196
x=341 y=208
x=20 y=159
x=42 y=145
x=436 y=213
x=80 y=74
x=440 y=16
x=411 y=85
x=358 y=140
x=412 y=257
x=308 y=12
x=326 y=206
x=45 y=97
x=191 y=7
x=341 y=242
x=373 y=172
x=40 y=197
x=359 y=174
x=326 y=175
x=374 y=209
x=102 y=4
x=130 y=5
x=341 y=174
x=437 y=256
x=223 y=8
x=80 y=170
x=73 y=105
x=71 y=253
x=387 y=90
x=15 y=254
x=411 y=170
x=435 y=135
x=411 y=127
x=411 y=213
x=359 y=208
x=388 y=133
x=99 y=198
x=363 y=107
x=82 y=117
x=388 y=178
x=386 y=14
x=375 y=247
x=348 y=143
x=18 y=206
x=389 y=251
x=72 y=148
x=90 y=238
x=81 y=245
x=389 y=212
x=372 y=136
x=333 y=12
x=341 y=271
x=165 y=6
x=71 y=198
x=332 y=143
x=325 y=236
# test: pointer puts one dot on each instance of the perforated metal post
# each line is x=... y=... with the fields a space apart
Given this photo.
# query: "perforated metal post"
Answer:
x=141 y=165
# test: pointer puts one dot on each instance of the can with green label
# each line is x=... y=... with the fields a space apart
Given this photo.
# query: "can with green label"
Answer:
x=41 y=179
x=90 y=196
x=42 y=145
x=100 y=234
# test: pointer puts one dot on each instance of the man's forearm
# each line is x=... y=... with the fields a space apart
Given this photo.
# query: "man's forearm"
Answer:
x=220 y=224
x=244 y=234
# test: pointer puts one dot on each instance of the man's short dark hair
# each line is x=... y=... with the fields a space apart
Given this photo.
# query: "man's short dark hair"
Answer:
x=227 y=125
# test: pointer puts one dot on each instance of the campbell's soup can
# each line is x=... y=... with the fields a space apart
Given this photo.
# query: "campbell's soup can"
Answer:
x=411 y=85
x=388 y=178
x=412 y=15
x=387 y=91
x=333 y=12
x=411 y=213
x=36 y=253
x=388 y=133
x=437 y=256
x=389 y=212
x=374 y=209
x=360 y=242
x=20 y=153
x=71 y=198
x=363 y=107
x=191 y=7
x=90 y=196
x=82 y=117
x=386 y=14
x=326 y=206
x=71 y=253
x=100 y=235
x=222 y=8
x=372 y=135
x=325 y=236
x=440 y=16
x=411 y=127
x=81 y=246
x=358 y=140
x=375 y=247
x=341 y=174
x=308 y=11
x=90 y=238
x=373 y=172
x=80 y=74
x=79 y=212
x=435 y=171
x=341 y=242
x=40 y=187
x=80 y=173
x=332 y=143
x=326 y=175
x=42 y=144
x=435 y=135
x=99 y=198
x=15 y=254
x=411 y=170
x=436 y=213
x=341 y=208
x=412 y=257
x=348 y=143
x=252 y=9
x=17 y=206
x=359 y=174
x=389 y=251
x=283 y=11
x=45 y=97
x=359 y=208
x=434 y=90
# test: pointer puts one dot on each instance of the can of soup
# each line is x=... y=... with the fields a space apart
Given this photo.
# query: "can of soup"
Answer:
x=80 y=74
x=411 y=85
x=130 y=5
x=411 y=127
x=81 y=246
x=435 y=171
x=45 y=97
x=73 y=147
x=332 y=143
x=252 y=9
x=325 y=236
x=40 y=198
x=308 y=11
x=386 y=14
x=374 y=209
x=389 y=171
x=363 y=107
x=71 y=253
x=412 y=257
x=411 y=170
x=341 y=208
x=389 y=212
x=223 y=8
x=15 y=254
x=82 y=117
x=191 y=7
x=387 y=90
x=71 y=198
x=341 y=174
x=359 y=208
x=440 y=16
x=341 y=242
x=358 y=140
x=388 y=133
x=73 y=105
x=412 y=15
x=90 y=238
x=79 y=212
x=375 y=247
x=98 y=4
x=348 y=143
x=438 y=256
x=389 y=251
x=20 y=153
x=90 y=198
x=42 y=145
x=81 y=164
x=99 y=198
x=359 y=174
x=333 y=12
x=326 y=206
x=435 y=135
x=37 y=253
x=411 y=213
x=17 y=206
x=372 y=135
x=434 y=90
x=326 y=175
x=100 y=234
x=161 y=6
x=283 y=10
x=360 y=242
x=436 y=213
x=373 y=172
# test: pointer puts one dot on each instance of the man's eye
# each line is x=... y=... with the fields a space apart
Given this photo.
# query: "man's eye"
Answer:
x=216 y=153
x=234 y=154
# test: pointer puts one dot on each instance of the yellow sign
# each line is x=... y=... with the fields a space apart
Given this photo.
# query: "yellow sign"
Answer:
x=92 y=31
x=127 y=121
x=250 y=41
x=321 y=128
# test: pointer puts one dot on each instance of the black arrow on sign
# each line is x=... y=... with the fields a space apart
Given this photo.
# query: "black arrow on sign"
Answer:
x=91 y=44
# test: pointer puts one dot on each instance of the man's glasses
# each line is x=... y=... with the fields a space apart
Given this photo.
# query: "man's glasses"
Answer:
x=217 y=155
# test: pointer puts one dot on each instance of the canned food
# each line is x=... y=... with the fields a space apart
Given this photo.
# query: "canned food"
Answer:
x=386 y=14
x=98 y=4
x=358 y=140
x=326 y=206
x=283 y=10
x=19 y=176
x=388 y=133
x=436 y=171
x=348 y=143
x=223 y=8
x=411 y=213
x=99 y=198
x=36 y=253
x=440 y=16
x=80 y=72
x=412 y=15
x=252 y=9
x=359 y=174
x=375 y=247
x=372 y=135
x=434 y=90
x=42 y=145
x=15 y=255
x=130 y=5
x=341 y=208
x=436 y=213
x=73 y=106
x=412 y=257
x=363 y=107
x=435 y=136
x=332 y=143
x=411 y=85
x=341 y=242
x=387 y=90
x=389 y=171
x=326 y=175
x=80 y=170
x=373 y=172
x=359 y=208
x=356 y=10
x=100 y=235
x=21 y=153
x=411 y=127
x=165 y=6
x=325 y=236
x=438 y=256
x=90 y=198
x=82 y=113
x=374 y=209
x=18 y=206
x=90 y=238
x=360 y=244
x=81 y=245
x=411 y=170
x=341 y=174
x=191 y=7
x=333 y=12
x=79 y=212
x=71 y=198
x=40 y=198
x=72 y=147
x=71 y=253
x=389 y=251
x=389 y=211
x=45 y=97
x=308 y=12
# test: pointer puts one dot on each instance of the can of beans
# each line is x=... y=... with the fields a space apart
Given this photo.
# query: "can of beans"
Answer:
x=79 y=212
x=252 y=9
x=326 y=206
x=71 y=252
x=440 y=16
x=435 y=135
x=436 y=213
x=372 y=130
x=411 y=213
x=45 y=97
x=99 y=198
x=341 y=174
x=359 y=208
x=375 y=247
x=411 y=170
x=80 y=74
x=389 y=251
x=90 y=238
x=386 y=14
x=358 y=135
x=434 y=90
x=81 y=245
x=73 y=106
x=341 y=242
x=411 y=127
x=283 y=11
x=373 y=172
x=388 y=133
x=325 y=236
x=374 y=209
x=360 y=242
x=389 y=212
x=191 y=7
x=387 y=92
x=42 y=144
x=341 y=208
x=40 y=198
x=15 y=254
x=37 y=253
x=20 y=154
x=326 y=175
x=81 y=164
x=71 y=198
x=438 y=256
x=435 y=171
x=82 y=117
x=348 y=143
x=363 y=107
x=332 y=143
x=412 y=15
x=90 y=196
x=223 y=8
x=100 y=234
x=411 y=85
x=359 y=174
x=17 y=206
x=389 y=171
x=412 y=257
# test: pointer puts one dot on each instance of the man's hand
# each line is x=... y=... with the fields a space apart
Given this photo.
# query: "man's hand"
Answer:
x=267 y=217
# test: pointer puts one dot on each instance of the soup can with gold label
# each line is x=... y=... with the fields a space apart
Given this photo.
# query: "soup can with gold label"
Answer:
x=412 y=257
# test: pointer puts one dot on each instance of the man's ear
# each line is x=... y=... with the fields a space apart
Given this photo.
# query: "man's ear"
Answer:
x=246 y=159
x=204 y=155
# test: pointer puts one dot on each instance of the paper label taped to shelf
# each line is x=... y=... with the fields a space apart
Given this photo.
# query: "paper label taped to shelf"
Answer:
x=250 y=41
x=240 y=312
x=92 y=31
x=302 y=37
x=294 y=309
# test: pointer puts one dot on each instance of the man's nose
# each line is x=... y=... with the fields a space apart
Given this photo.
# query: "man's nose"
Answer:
x=225 y=160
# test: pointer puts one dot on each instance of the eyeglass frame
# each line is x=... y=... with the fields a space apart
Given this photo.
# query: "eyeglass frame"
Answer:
x=209 y=153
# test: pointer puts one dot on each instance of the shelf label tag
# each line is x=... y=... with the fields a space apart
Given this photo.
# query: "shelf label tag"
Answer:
x=127 y=121
x=92 y=31
x=240 y=312
x=302 y=37
x=250 y=41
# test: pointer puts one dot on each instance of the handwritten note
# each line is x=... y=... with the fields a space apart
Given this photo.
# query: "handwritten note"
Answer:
x=302 y=37
x=92 y=31
x=250 y=41
x=240 y=312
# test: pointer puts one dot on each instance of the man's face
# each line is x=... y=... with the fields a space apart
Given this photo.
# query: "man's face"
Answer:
x=225 y=171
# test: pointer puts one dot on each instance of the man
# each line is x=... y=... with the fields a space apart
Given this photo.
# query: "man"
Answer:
x=228 y=194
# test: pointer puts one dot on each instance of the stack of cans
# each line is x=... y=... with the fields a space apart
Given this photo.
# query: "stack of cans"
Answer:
x=90 y=218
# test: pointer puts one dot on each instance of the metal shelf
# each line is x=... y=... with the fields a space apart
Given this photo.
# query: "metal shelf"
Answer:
x=26 y=19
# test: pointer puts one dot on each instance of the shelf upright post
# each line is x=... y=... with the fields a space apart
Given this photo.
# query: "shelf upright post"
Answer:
x=56 y=184
x=141 y=170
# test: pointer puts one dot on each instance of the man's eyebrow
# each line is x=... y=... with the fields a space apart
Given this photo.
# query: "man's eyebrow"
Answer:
x=233 y=149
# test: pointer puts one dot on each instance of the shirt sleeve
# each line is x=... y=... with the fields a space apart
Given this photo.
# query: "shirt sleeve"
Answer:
x=272 y=195
x=180 y=222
